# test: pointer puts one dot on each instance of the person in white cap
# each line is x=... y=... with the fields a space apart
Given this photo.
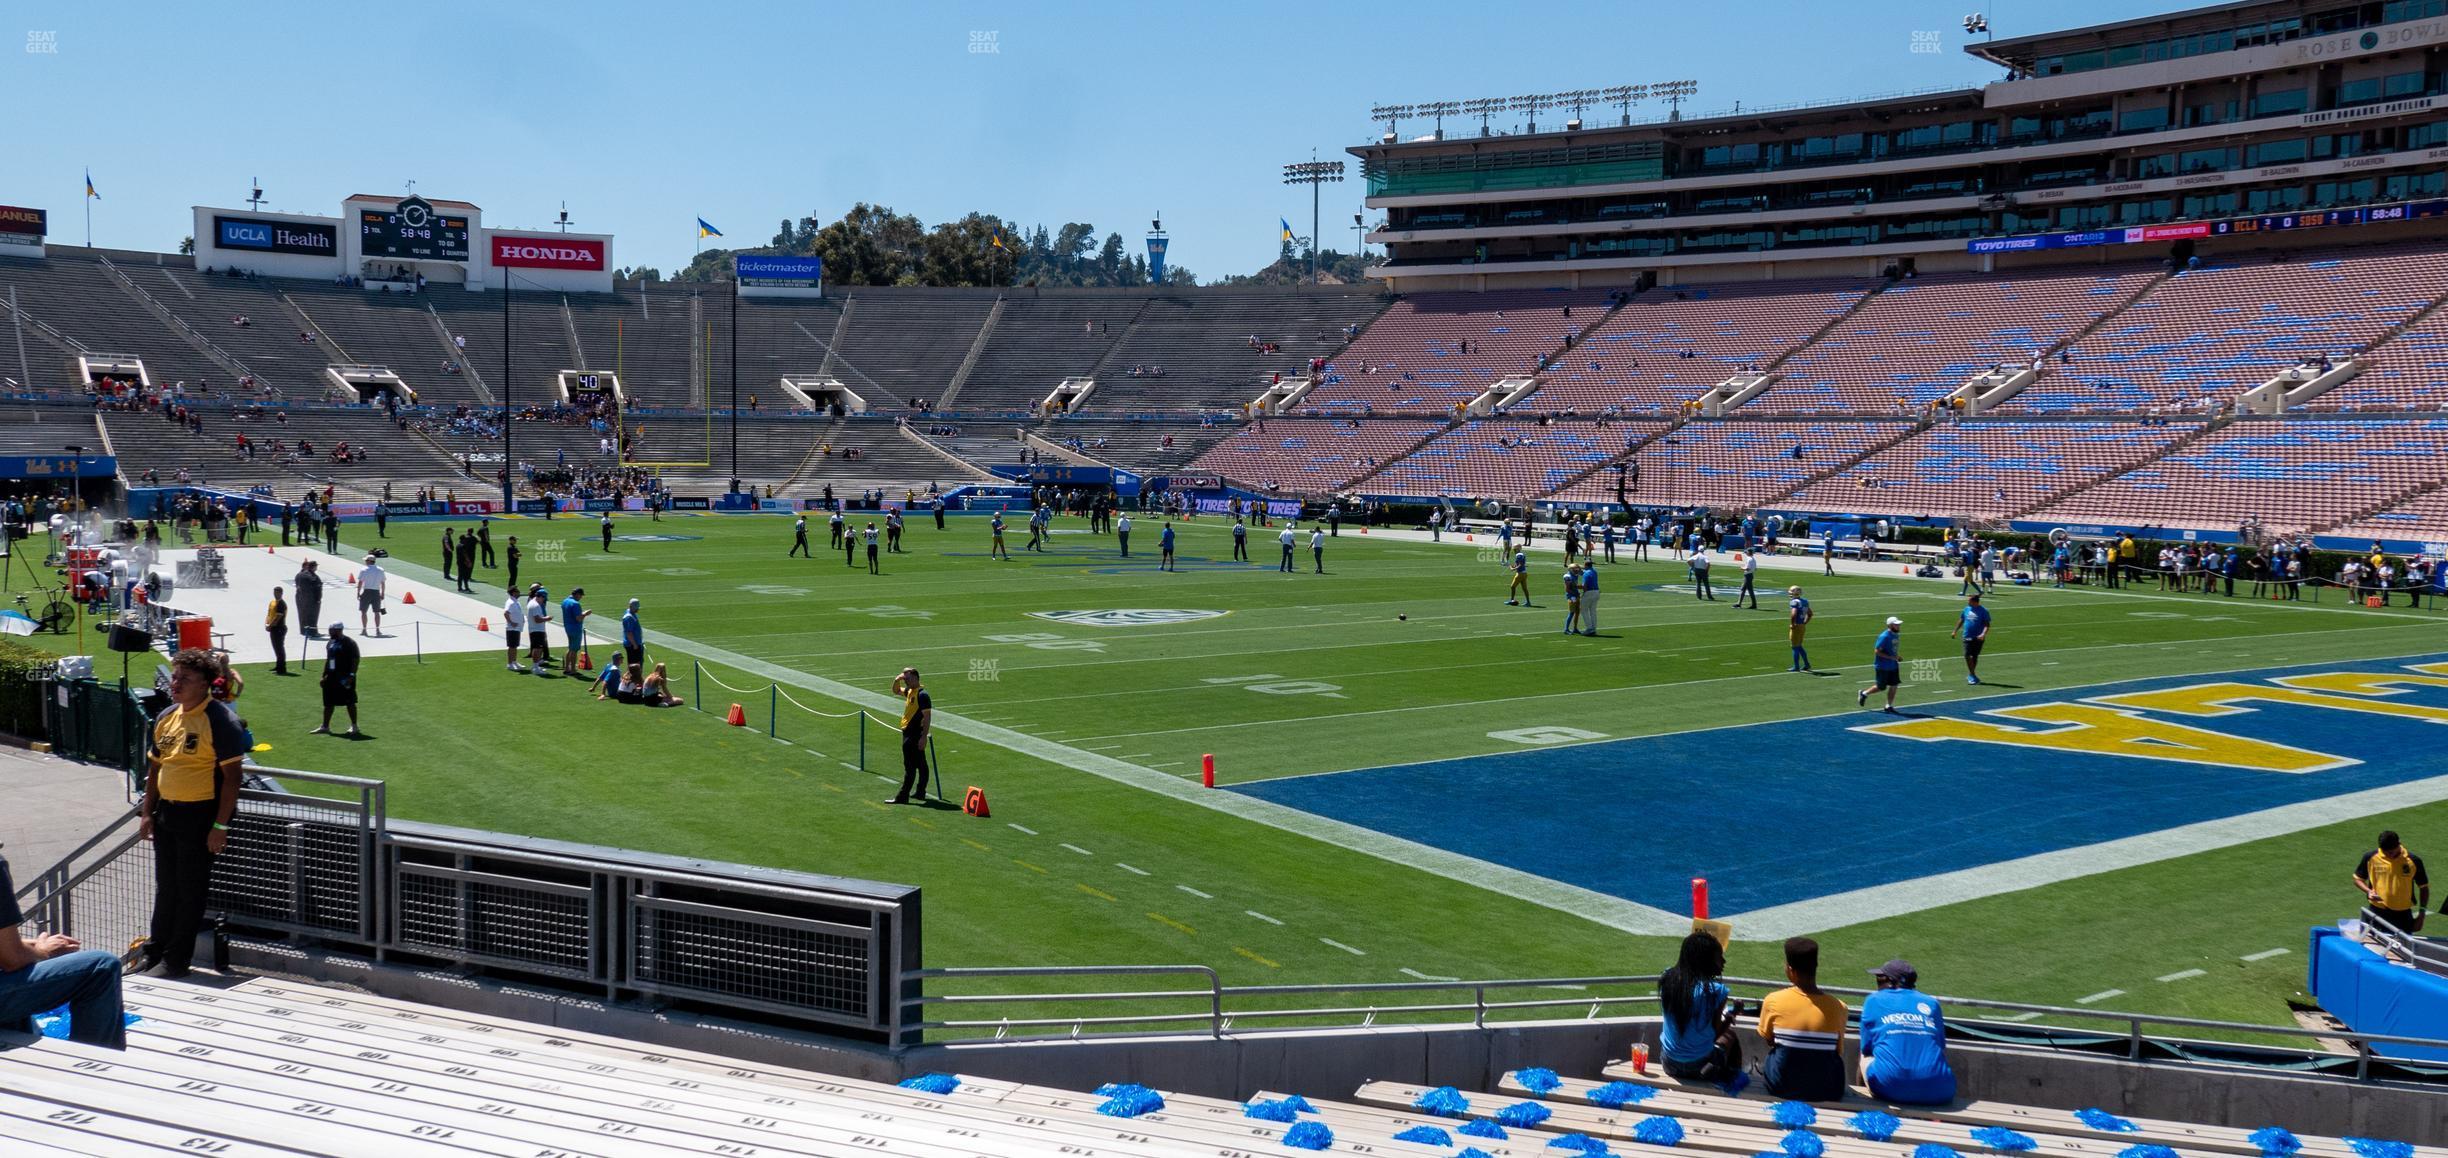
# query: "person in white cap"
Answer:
x=370 y=596
x=1887 y=666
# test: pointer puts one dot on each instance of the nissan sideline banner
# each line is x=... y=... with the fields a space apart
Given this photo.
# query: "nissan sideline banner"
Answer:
x=547 y=252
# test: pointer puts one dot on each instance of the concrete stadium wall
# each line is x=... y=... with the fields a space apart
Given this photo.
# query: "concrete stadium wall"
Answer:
x=1334 y=1063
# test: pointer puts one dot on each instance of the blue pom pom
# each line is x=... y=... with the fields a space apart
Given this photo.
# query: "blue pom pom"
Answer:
x=1802 y=1144
x=1876 y=1125
x=1474 y=1152
x=1531 y=1113
x=2103 y=1120
x=1129 y=1101
x=1617 y=1095
x=1793 y=1115
x=931 y=1083
x=1309 y=1136
x=2146 y=1152
x=1657 y=1131
x=1581 y=1144
x=1428 y=1134
x=1444 y=1102
x=2003 y=1140
x=2275 y=1141
x=1482 y=1128
x=1538 y=1080
x=1934 y=1150
x=2380 y=1148
x=1300 y=1103
x=1282 y=1111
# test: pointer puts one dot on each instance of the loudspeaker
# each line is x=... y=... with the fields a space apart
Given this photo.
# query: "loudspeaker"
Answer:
x=124 y=638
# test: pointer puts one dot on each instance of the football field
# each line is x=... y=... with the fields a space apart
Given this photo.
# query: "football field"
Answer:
x=2152 y=793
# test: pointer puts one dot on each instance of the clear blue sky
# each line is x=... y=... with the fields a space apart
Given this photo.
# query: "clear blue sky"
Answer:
x=644 y=116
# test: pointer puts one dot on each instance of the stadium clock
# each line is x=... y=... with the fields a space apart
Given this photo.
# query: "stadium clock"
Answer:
x=413 y=230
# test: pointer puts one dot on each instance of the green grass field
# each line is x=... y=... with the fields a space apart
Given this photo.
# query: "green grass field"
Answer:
x=1403 y=653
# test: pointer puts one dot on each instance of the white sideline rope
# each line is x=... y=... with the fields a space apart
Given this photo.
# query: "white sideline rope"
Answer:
x=709 y=674
x=812 y=711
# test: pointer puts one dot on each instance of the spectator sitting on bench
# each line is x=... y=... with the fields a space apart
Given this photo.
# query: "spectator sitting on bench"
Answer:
x=1803 y=1029
x=1696 y=1040
x=1903 y=1040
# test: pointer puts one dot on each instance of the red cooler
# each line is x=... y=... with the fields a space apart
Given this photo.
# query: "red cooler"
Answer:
x=195 y=631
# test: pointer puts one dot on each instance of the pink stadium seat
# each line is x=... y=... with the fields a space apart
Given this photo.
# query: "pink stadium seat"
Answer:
x=1986 y=468
x=1921 y=339
x=1411 y=359
x=2292 y=475
x=1736 y=462
x=1639 y=353
x=2221 y=330
x=1511 y=459
x=1310 y=455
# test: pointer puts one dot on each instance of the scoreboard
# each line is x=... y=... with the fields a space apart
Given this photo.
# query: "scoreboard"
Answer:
x=413 y=230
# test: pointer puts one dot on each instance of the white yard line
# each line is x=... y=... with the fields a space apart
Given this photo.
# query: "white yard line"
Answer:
x=2100 y=996
x=2264 y=955
x=1778 y=922
x=1079 y=850
x=1779 y=673
x=1196 y=893
x=1343 y=947
x=1262 y=916
x=2183 y=975
x=1128 y=869
x=1589 y=904
x=1026 y=829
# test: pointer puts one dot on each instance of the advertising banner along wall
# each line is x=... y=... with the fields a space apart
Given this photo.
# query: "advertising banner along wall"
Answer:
x=548 y=251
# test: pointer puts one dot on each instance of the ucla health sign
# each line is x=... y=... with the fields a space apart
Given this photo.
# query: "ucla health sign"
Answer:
x=275 y=236
x=782 y=269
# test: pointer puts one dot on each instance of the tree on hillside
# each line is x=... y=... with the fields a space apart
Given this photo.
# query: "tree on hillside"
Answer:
x=872 y=245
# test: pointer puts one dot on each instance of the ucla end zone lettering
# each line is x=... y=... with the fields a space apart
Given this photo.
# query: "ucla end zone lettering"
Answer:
x=1966 y=786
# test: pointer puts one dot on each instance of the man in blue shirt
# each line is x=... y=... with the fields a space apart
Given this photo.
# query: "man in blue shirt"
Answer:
x=1164 y=545
x=633 y=638
x=1589 y=600
x=1887 y=666
x=1973 y=630
x=1903 y=1041
x=573 y=624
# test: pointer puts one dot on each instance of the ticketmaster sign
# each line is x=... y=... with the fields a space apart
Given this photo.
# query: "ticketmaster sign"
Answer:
x=770 y=269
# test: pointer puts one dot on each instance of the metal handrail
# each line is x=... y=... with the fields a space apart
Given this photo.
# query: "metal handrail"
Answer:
x=1220 y=1021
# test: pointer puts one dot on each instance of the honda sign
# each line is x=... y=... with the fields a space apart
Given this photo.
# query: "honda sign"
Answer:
x=547 y=252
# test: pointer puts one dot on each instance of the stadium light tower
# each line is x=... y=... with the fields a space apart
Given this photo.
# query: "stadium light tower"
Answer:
x=1624 y=96
x=1313 y=174
x=1578 y=100
x=1392 y=115
x=1530 y=106
x=1977 y=25
x=1675 y=92
x=1483 y=108
x=1437 y=110
x=255 y=197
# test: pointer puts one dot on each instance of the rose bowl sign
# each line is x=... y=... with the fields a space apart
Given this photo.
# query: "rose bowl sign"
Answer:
x=547 y=252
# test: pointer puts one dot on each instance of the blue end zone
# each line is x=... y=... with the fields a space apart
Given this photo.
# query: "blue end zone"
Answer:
x=1779 y=813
